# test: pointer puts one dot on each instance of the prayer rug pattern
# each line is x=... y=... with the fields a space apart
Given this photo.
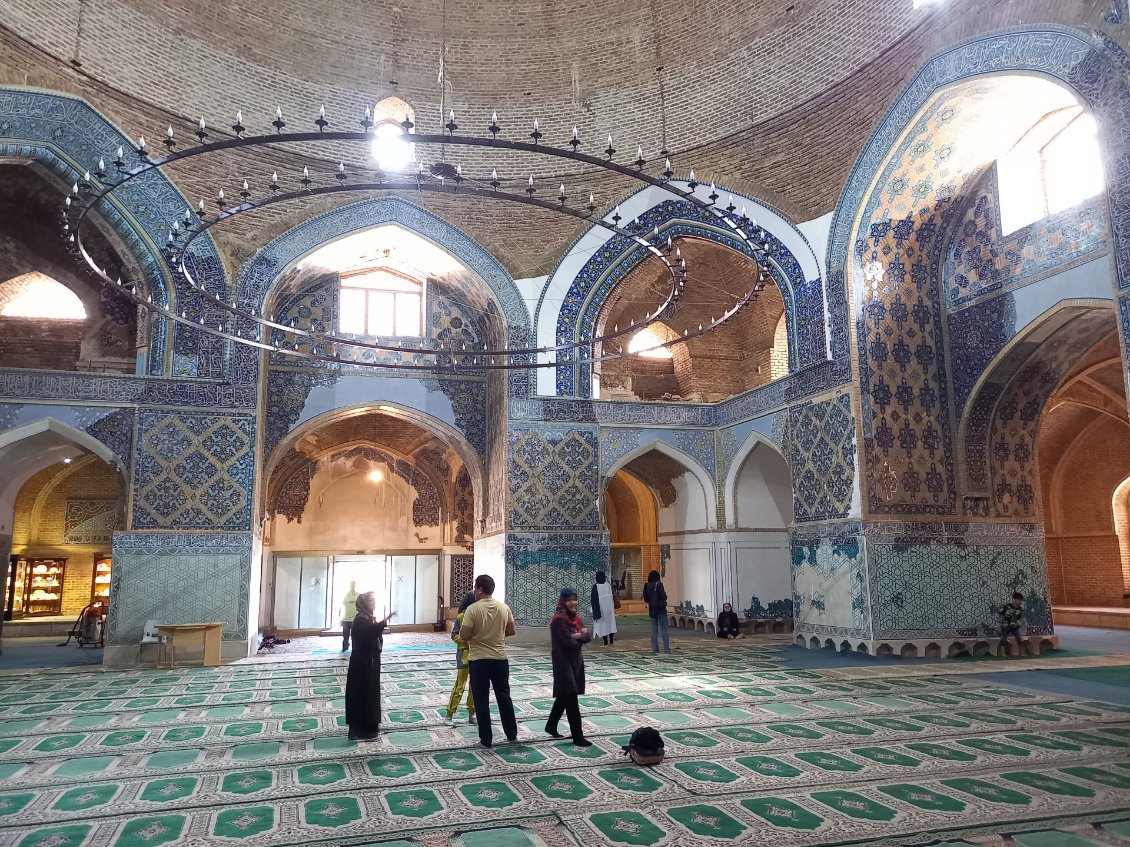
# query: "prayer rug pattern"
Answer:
x=257 y=755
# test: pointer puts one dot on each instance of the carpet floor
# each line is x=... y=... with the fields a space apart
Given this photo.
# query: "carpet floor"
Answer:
x=758 y=751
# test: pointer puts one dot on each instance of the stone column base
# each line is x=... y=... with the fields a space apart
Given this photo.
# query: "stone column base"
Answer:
x=928 y=648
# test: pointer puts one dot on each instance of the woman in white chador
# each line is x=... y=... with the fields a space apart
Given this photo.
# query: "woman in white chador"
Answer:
x=603 y=609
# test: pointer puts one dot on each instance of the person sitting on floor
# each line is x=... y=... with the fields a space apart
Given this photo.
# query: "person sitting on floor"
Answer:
x=727 y=625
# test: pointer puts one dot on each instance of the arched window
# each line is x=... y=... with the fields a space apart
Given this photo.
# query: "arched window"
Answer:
x=646 y=343
x=380 y=302
x=1056 y=165
x=36 y=295
x=390 y=148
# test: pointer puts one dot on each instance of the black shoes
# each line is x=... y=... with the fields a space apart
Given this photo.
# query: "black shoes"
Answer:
x=581 y=742
x=553 y=732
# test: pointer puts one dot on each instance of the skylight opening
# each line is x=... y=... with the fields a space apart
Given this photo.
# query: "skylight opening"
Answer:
x=37 y=295
x=647 y=343
x=1056 y=165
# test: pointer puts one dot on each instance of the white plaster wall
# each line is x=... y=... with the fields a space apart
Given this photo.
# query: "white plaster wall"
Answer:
x=1089 y=281
x=691 y=572
x=490 y=558
x=763 y=491
x=819 y=232
x=689 y=509
x=761 y=566
x=353 y=514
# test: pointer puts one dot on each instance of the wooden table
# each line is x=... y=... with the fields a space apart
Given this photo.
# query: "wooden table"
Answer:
x=207 y=635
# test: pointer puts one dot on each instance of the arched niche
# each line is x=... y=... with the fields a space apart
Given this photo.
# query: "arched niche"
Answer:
x=58 y=132
x=576 y=290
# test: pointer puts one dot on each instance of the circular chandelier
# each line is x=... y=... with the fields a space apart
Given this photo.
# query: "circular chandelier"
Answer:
x=250 y=326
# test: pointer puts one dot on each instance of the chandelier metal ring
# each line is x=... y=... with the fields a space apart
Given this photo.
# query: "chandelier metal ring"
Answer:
x=441 y=178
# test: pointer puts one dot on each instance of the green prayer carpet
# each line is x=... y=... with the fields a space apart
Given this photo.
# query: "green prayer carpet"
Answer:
x=256 y=754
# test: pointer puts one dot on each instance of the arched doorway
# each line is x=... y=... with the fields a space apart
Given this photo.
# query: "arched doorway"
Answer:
x=1045 y=442
x=748 y=351
x=54 y=314
x=373 y=496
x=1083 y=450
x=61 y=499
x=659 y=483
x=631 y=512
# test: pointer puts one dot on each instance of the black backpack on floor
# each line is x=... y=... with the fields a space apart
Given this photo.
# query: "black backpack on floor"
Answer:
x=645 y=747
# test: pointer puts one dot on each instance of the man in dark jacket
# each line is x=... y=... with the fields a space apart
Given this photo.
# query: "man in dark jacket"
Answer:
x=655 y=595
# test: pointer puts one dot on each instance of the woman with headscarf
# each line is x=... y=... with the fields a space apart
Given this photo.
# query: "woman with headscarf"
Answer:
x=363 y=682
x=728 y=625
x=603 y=609
x=568 y=635
x=655 y=595
x=462 y=668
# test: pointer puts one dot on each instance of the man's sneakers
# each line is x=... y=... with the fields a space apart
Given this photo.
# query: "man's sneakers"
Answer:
x=472 y=719
x=449 y=720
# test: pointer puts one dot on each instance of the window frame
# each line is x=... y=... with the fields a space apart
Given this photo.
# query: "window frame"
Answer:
x=368 y=291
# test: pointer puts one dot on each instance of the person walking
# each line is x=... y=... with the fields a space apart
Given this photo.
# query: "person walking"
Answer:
x=487 y=624
x=655 y=595
x=363 y=681
x=568 y=635
x=603 y=609
x=348 y=612
x=461 y=670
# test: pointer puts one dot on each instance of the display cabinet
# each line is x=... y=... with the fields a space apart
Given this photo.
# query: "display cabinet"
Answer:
x=42 y=583
x=100 y=585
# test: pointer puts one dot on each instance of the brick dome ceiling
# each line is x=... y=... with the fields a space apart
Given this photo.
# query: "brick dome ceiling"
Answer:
x=773 y=97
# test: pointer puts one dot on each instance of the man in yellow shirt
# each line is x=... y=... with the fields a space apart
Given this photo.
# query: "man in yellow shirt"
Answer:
x=487 y=624
x=348 y=613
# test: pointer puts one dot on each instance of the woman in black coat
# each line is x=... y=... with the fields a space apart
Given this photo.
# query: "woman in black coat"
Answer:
x=568 y=634
x=728 y=625
x=363 y=683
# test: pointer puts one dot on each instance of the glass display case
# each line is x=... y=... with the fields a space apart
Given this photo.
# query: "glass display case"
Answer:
x=100 y=586
x=42 y=584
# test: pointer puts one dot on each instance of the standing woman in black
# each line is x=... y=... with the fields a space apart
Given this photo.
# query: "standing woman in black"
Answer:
x=568 y=634
x=363 y=683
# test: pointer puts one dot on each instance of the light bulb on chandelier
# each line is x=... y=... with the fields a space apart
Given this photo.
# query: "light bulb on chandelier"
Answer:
x=395 y=155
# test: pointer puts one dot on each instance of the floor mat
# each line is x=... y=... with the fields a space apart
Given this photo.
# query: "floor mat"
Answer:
x=1108 y=676
x=257 y=755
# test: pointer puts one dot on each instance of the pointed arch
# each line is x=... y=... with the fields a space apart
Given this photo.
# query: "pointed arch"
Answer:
x=65 y=135
x=13 y=437
x=256 y=278
x=694 y=467
x=444 y=432
x=578 y=287
x=753 y=441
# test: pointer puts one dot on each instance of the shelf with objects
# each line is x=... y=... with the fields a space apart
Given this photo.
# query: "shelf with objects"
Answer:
x=42 y=584
x=100 y=586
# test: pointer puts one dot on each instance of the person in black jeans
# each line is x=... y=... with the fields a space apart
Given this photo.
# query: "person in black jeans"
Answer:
x=568 y=635
x=655 y=595
x=487 y=624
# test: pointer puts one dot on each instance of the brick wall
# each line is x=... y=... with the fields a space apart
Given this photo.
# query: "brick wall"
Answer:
x=1084 y=558
x=39 y=343
x=732 y=359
